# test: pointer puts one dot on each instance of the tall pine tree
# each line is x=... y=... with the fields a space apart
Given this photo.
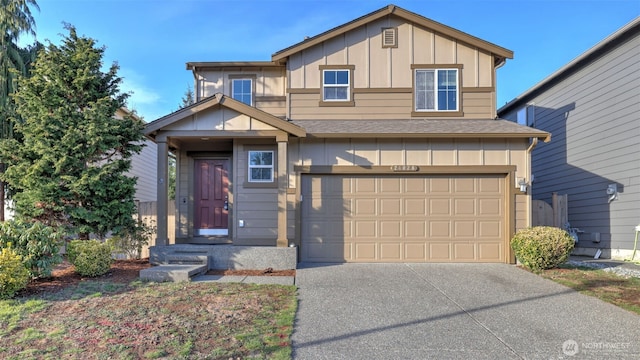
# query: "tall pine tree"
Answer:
x=67 y=166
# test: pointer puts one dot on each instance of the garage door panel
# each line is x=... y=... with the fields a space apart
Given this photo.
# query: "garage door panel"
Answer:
x=439 y=207
x=391 y=251
x=415 y=252
x=464 y=229
x=389 y=218
x=440 y=251
x=365 y=251
x=464 y=252
x=415 y=229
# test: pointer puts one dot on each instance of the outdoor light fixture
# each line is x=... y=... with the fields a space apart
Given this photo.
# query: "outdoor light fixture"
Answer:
x=523 y=185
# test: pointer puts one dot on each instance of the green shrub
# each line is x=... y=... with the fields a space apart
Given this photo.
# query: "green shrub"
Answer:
x=131 y=241
x=542 y=247
x=37 y=244
x=14 y=276
x=90 y=257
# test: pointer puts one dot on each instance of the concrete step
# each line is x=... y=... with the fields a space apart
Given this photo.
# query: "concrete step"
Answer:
x=186 y=259
x=172 y=272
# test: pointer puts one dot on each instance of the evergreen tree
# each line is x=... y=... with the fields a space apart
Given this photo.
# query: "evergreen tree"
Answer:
x=15 y=19
x=67 y=165
x=188 y=99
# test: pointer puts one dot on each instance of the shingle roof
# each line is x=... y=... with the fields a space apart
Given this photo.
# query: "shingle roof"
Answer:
x=469 y=128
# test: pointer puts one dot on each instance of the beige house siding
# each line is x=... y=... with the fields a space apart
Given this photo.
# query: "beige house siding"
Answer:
x=379 y=68
x=385 y=104
x=268 y=82
x=144 y=167
x=255 y=204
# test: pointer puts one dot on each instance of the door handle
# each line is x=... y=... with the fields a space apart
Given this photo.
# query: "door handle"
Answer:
x=226 y=203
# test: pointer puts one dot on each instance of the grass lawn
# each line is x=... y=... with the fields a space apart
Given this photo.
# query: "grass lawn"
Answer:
x=606 y=286
x=102 y=319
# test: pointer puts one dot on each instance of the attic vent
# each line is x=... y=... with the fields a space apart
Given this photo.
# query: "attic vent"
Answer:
x=389 y=37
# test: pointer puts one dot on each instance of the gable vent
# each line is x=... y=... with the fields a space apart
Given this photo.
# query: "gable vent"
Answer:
x=389 y=37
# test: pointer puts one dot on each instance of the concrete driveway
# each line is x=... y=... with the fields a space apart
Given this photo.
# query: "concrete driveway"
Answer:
x=452 y=311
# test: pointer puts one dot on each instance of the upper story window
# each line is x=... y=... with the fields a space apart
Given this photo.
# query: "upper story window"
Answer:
x=335 y=85
x=436 y=90
x=260 y=166
x=242 y=90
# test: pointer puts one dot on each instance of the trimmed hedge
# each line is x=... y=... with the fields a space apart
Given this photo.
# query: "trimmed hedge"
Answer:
x=90 y=257
x=542 y=247
x=14 y=276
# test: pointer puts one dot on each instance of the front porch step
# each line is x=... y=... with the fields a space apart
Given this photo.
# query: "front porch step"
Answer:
x=172 y=272
x=186 y=259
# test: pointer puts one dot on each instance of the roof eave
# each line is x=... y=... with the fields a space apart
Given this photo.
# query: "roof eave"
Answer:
x=282 y=55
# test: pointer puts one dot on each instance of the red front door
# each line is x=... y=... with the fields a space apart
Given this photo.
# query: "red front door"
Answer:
x=211 y=197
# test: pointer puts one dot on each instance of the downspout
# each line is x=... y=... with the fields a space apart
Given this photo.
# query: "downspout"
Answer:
x=534 y=143
x=495 y=80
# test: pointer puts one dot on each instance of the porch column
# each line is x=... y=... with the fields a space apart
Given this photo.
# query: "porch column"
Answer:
x=162 y=192
x=283 y=184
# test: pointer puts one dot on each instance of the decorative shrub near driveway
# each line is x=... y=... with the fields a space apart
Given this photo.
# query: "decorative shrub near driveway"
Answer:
x=542 y=247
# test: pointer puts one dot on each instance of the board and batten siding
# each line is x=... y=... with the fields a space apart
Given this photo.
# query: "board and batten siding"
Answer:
x=381 y=68
x=382 y=105
x=594 y=116
x=421 y=152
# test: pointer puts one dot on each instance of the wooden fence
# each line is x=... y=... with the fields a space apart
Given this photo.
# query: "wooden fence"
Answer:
x=556 y=214
x=147 y=212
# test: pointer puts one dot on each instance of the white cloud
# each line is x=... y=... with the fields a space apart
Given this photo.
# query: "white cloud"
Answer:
x=142 y=98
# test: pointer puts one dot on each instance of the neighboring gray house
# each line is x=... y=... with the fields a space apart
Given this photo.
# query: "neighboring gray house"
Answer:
x=592 y=108
x=144 y=166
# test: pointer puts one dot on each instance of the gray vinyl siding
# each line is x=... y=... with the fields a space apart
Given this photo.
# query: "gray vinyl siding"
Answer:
x=594 y=118
x=144 y=167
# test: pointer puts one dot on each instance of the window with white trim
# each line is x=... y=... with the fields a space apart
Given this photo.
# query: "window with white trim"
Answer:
x=242 y=90
x=261 y=166
x=336 y=85
x=436 y=90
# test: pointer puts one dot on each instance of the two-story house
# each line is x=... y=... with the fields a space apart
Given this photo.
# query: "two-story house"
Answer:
x=375 y=141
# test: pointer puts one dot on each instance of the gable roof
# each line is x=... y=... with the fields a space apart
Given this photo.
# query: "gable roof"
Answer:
x=230 y=103
x=496 y=50
x=628 y=31
x=422 y=128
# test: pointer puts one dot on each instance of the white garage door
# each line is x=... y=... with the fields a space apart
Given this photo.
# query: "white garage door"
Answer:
x=380 y=218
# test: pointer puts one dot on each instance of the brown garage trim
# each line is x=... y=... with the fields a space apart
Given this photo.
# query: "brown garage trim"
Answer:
x=404 y=169
x=507 y=171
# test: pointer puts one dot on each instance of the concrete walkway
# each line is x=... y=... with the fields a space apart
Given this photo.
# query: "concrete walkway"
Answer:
x=262 y=280
x=452 y=311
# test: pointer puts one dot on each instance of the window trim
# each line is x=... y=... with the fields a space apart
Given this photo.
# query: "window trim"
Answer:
x=250 y=167
x=252 y=78
x=435 y=112
x=337 y=102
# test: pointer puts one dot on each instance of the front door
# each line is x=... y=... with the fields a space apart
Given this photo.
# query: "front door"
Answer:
x=211 y=197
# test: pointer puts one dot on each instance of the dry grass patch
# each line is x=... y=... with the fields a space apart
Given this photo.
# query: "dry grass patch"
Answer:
x=105 y=319
x=606 y=286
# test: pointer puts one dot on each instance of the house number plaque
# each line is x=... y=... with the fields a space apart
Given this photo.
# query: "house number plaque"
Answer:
x=404 y=168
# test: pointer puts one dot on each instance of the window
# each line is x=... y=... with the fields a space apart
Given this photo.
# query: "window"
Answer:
x=436 y=90
x=260 y=166
x=336 y=85
x=242 y=90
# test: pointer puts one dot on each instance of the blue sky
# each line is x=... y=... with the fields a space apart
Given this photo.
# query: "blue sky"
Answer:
x=153 y=39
